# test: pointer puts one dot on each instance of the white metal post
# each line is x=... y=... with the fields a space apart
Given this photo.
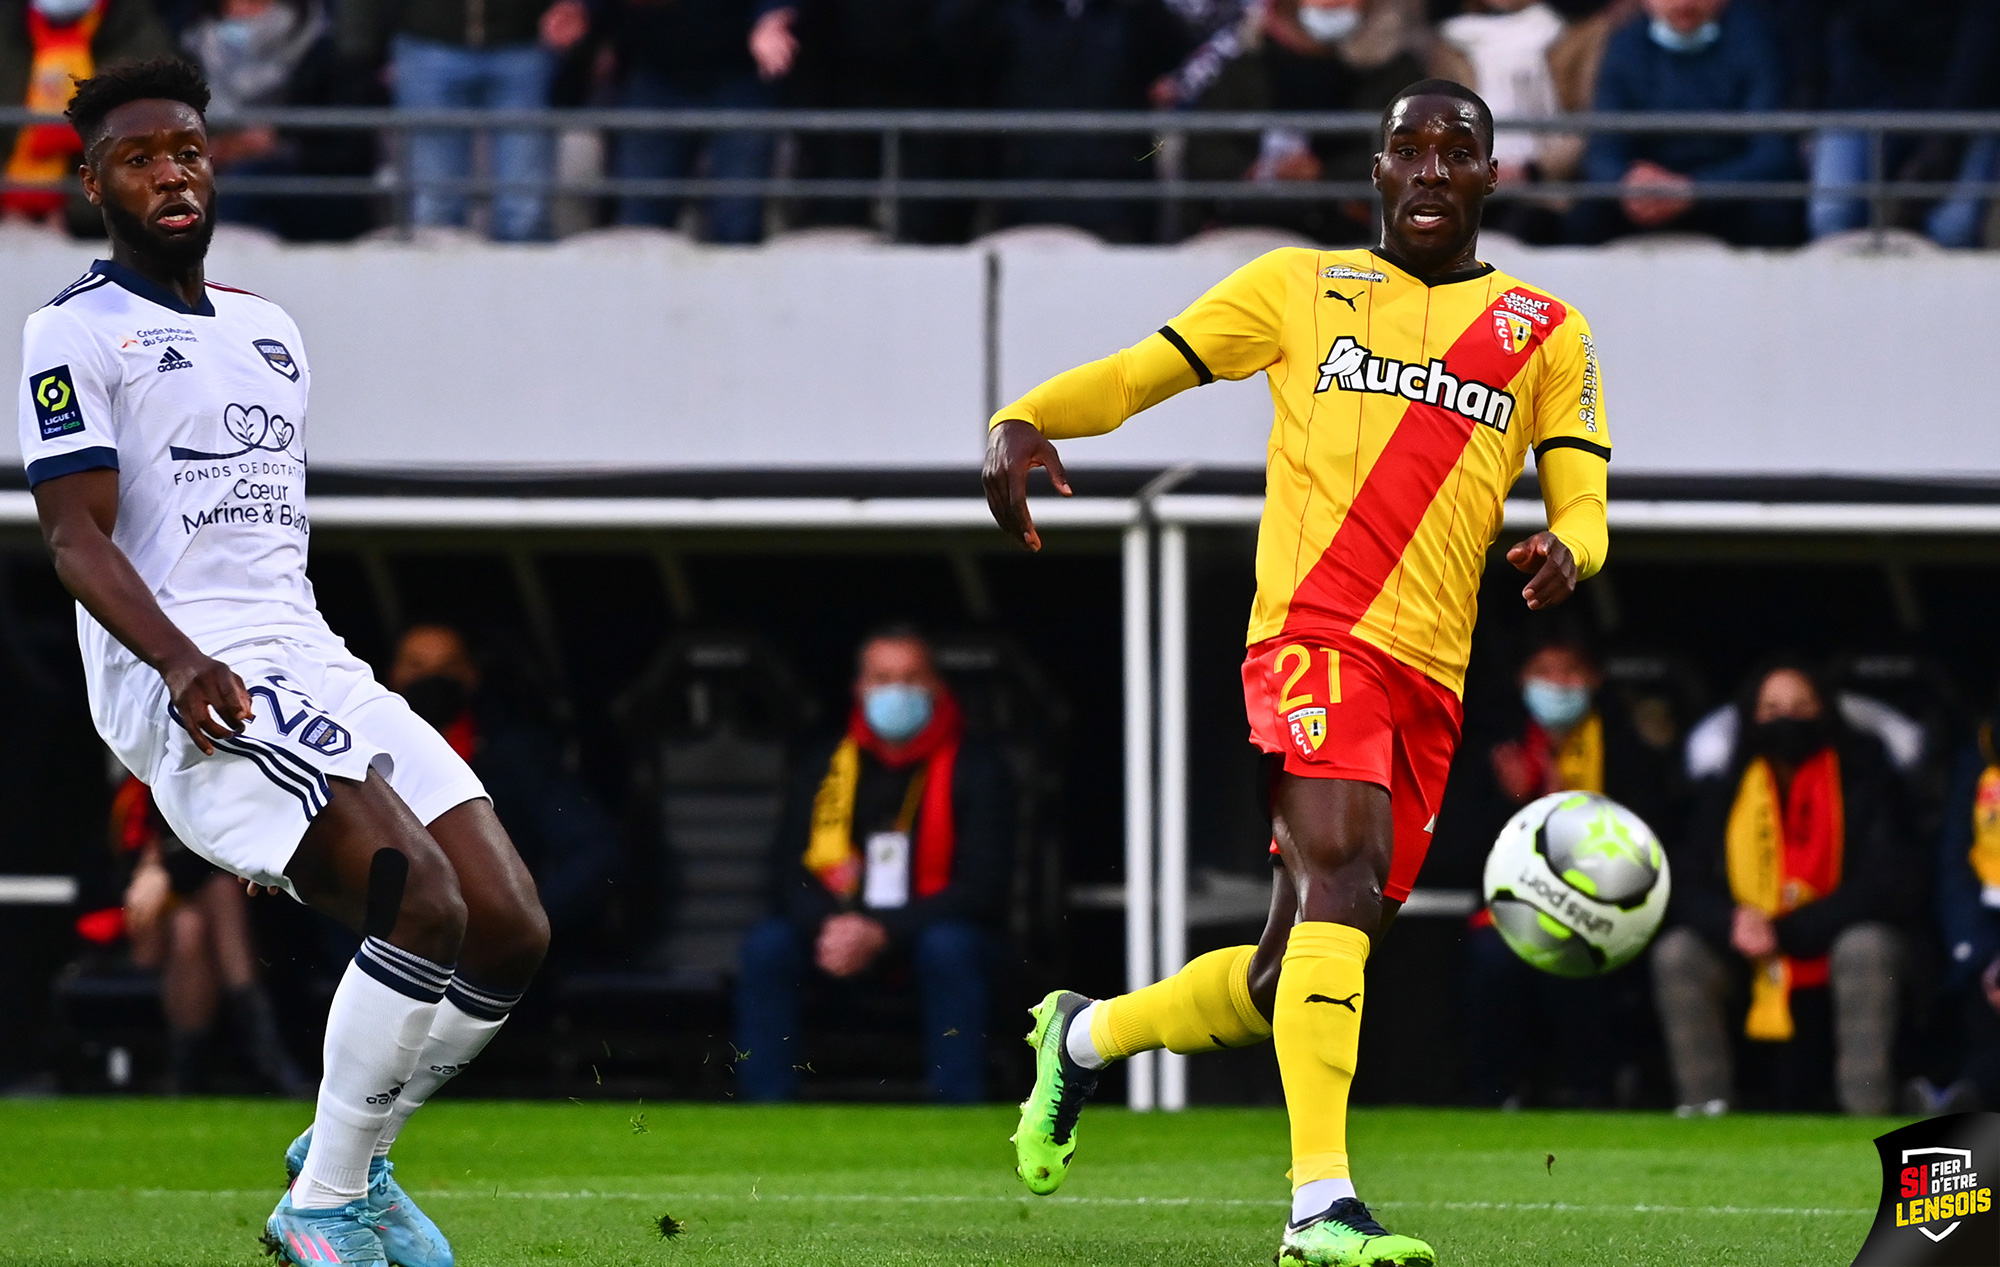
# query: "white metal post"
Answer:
x=1138 y=568
x=1173 y=860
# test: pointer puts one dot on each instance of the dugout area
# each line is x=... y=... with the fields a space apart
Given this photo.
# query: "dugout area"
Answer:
x=679 y=665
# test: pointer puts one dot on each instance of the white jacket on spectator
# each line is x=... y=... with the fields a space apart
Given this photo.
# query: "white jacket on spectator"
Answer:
x=1509 y=53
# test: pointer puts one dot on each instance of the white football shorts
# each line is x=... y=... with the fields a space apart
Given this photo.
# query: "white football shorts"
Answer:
x=319 y=715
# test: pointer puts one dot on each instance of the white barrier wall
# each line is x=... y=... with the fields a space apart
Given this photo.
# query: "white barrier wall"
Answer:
x=638 y=352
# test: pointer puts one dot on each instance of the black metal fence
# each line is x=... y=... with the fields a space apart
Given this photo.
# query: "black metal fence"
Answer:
x=1162 y=181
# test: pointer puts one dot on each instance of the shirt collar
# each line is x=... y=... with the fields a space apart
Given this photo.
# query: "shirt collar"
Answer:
x=1463 y=275
x=151 y=291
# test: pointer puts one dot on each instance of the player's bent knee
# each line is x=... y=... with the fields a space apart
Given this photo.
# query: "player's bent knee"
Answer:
x=432 y=918
x=519 y=945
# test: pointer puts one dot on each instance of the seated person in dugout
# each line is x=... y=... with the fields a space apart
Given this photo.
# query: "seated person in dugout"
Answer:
x=571 y=845
x=190 y=922
x=1968 y=923
x=1786 y=886
x=893 y=852
x=1532 y=1037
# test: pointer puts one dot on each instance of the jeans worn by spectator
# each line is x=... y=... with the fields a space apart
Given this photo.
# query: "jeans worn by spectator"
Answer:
x=950 y=961
x=431 y=76
x=1841 y=158
x=673 y=155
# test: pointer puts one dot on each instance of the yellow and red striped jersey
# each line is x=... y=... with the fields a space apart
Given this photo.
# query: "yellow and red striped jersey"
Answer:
x=1404 y=414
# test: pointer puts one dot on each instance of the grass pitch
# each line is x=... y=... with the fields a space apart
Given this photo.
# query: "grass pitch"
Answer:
x=157 y=1182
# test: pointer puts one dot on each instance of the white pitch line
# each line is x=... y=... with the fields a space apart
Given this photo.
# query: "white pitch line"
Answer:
x=886 y=1198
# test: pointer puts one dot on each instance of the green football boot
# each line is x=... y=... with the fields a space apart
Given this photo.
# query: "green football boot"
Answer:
x=1045 y=1141
x=1348 y=1236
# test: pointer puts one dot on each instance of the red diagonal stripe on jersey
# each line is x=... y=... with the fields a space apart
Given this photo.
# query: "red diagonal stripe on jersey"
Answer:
x=1405 y=479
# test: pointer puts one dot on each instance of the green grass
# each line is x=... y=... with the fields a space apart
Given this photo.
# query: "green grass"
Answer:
x=158 y=1182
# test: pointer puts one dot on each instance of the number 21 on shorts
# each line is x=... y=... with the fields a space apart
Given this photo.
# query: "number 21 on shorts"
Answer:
x=1305 y=717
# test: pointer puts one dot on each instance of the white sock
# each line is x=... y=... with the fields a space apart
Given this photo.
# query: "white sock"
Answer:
x=465 y=1022
x=375 y=1031
x=1311 y=1199
x=1078 y=1040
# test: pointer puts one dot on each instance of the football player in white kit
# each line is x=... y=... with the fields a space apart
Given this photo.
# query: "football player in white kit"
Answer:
x=163 y=427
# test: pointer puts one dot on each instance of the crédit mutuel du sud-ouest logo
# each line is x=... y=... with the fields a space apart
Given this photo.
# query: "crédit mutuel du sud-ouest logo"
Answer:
x=1937 y=1205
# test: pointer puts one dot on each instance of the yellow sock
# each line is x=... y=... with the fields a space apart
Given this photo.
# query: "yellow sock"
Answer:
x=1204 y=1007
x=1318 y=1024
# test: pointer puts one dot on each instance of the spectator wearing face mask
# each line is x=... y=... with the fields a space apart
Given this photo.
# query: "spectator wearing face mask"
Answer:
x=45 y=45
x=1567 y=737
x=260 y=54
x=570 y=844
x=1334 y=55
x=893 y=850
x=1786 y=885
x=1683 y=55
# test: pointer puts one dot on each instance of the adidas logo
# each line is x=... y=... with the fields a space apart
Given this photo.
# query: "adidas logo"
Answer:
x=173 y=361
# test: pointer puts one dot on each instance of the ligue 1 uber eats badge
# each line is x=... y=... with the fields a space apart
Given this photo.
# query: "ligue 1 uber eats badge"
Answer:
x=1937 y=1195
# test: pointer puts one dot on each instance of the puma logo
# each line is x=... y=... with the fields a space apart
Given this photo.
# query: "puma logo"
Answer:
x=1347 y=1002
x=1334 y=294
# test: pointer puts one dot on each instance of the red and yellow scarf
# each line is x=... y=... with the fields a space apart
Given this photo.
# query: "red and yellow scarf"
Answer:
x=830 y=853
x=1785 y=852
x=46 y=153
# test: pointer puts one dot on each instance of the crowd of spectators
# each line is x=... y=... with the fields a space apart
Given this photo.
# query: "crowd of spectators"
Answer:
x=1531 y=59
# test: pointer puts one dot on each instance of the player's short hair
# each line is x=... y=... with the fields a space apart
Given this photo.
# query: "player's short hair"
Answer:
x=1482 y=114
x=158 y=79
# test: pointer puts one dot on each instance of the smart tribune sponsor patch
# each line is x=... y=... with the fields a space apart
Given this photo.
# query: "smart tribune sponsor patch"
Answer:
x=1937 y=1195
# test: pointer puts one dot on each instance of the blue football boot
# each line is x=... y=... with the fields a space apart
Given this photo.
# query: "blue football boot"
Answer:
x=409 y=1238
x=347 y=1235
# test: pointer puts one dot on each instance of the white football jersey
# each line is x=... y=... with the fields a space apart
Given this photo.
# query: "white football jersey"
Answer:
x=201 y=411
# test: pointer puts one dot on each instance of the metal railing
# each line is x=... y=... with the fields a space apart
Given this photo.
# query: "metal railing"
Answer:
x=1161 y=180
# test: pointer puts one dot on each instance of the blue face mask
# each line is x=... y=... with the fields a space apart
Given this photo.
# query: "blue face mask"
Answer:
x=1691 y=42
x=896 y=712
x=61 y=12
x=1553 y=705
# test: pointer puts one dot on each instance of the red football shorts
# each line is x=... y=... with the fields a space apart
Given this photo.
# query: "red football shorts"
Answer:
x=1335 y=707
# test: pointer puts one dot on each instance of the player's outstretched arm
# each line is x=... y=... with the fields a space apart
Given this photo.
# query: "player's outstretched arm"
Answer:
x=1013 y=448
x=77 y=514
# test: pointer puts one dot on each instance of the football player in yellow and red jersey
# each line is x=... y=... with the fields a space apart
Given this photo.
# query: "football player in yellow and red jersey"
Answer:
x=1409 y=381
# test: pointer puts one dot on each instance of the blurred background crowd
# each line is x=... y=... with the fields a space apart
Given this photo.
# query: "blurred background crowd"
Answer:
x=1532 y=61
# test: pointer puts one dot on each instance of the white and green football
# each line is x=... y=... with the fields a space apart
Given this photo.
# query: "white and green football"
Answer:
x=1577 y=884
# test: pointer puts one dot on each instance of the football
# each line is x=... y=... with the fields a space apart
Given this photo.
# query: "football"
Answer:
x=1577 y=884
